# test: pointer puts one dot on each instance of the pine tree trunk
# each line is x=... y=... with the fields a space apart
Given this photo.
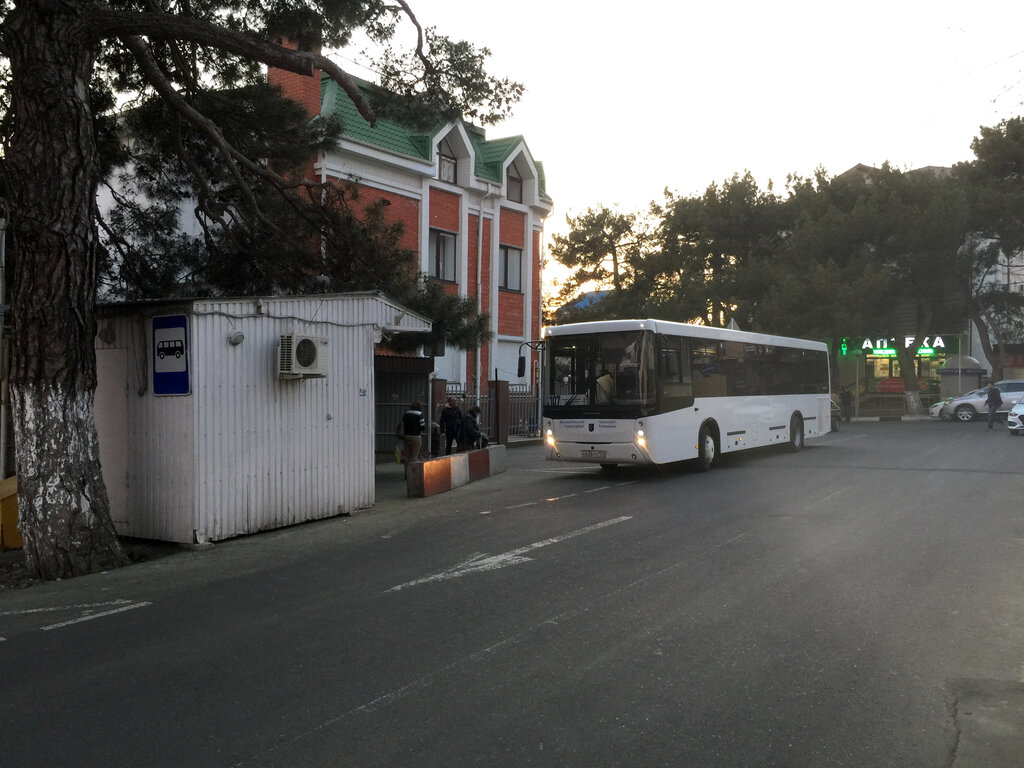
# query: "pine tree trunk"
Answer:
x=51 y=174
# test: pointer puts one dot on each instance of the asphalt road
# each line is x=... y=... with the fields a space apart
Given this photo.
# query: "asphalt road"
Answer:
x=855 y=604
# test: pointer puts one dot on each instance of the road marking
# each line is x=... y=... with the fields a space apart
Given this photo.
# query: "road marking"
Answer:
x=594 y=490
x=822 y=501
x=92 y=616
x=78 y=607
x=559 y=498
x=731 y=541
x=481 y=562
x=525 y=504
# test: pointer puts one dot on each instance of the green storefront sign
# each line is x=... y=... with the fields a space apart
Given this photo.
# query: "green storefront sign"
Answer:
x=929 y=346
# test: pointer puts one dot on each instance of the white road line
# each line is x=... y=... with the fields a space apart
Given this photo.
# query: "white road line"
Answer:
x=730 y=541
x=559 y=498
x=525 y=504
x=594 y=490
x=92 y=616
x=822 y=501
x=78 y=607
x=480 y=562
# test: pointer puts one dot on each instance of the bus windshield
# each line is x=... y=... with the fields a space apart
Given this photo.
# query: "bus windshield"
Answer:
x=604 y=373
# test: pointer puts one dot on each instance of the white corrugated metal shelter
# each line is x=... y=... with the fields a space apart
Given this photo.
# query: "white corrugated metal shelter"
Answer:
x=202 y=437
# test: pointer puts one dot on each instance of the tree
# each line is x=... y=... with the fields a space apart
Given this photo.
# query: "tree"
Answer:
x=995 y=246
x=713 y=249
x=824 y=278
x=603 y=250
x=876 y=251
x=69 y=60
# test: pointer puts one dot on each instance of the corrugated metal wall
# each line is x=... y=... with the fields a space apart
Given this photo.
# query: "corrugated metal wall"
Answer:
x=246 y=450
x=160 y=441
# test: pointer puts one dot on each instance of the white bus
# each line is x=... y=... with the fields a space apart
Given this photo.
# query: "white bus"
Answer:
x=653 y=392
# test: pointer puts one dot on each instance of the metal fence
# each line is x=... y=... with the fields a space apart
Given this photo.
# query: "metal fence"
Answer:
x=888 y=405
x=522 y=414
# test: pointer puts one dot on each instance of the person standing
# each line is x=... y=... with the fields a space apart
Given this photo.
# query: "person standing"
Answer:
x=451 y=426
x=847 y=398
x=993 y=401
x=413 y=426
x=471 y=430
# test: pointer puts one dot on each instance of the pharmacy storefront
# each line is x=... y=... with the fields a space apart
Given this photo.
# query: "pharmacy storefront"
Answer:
x=871 y=369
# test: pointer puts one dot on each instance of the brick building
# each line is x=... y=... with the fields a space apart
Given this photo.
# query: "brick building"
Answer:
x=473 y=208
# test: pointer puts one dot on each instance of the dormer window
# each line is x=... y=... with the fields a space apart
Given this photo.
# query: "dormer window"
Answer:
x=447 y=163
x=513 y=184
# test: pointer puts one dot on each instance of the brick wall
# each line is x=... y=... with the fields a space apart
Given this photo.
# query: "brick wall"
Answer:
x=510 y=313
x=302 y=88
x=485 y=274
x=535 y=310
x=405 y=210
x=513 y=228
x=471 y=245
x=485 y=269
x=444 y=210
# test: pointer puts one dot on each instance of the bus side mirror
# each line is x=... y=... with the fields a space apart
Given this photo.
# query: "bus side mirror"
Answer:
x=521 y=370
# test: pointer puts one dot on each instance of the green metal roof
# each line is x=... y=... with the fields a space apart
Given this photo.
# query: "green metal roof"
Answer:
x=391 y=136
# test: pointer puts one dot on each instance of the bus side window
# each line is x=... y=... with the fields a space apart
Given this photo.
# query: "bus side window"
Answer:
x=675 y=387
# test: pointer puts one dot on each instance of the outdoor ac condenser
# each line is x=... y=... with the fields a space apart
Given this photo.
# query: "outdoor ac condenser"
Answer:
x=300 y=357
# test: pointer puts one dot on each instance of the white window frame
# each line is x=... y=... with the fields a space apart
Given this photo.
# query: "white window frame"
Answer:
x=443 y=255
x=510 y=270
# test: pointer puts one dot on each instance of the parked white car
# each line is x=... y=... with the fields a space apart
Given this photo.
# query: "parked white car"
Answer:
x=1015 y=419
x=937 y=410
x=970 y=406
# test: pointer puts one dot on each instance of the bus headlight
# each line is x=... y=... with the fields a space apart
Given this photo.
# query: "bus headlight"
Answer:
x=641 y=440
x=549 y=437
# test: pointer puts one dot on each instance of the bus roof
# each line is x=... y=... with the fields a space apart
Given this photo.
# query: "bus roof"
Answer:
x=680 y=329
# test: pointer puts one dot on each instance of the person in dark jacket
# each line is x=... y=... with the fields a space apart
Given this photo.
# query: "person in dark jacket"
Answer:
x=847 y=399
x=471 y=435
x=413 y=426
x=451 y=426
x=993 y=401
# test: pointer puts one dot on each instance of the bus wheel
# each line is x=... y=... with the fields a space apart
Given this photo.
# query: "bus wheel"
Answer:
x=796 y=434
x=706 y=449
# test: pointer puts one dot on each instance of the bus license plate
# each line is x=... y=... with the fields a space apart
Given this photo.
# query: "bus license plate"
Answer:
x=594 y=454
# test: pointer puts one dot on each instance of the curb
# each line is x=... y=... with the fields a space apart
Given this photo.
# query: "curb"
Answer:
x=869 y=419
x=434 y=476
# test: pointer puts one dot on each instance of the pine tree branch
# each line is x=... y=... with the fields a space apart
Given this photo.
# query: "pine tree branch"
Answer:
x=104 y=22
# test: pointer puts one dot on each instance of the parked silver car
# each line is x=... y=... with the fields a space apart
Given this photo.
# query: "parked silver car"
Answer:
x=1015 y=419
x=937 y=410
x=969 y=406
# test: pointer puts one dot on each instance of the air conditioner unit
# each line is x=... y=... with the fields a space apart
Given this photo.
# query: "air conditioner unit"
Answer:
x=300 y=357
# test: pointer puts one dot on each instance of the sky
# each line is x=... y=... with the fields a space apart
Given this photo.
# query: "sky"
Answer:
x=626 y=99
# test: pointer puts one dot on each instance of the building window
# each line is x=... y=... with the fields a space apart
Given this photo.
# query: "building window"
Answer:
x=513 y=184
x=447 y=163
x=510 y=268
x=442 y=255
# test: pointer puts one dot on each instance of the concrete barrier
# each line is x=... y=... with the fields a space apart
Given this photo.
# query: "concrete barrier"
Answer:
x=433 y=476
